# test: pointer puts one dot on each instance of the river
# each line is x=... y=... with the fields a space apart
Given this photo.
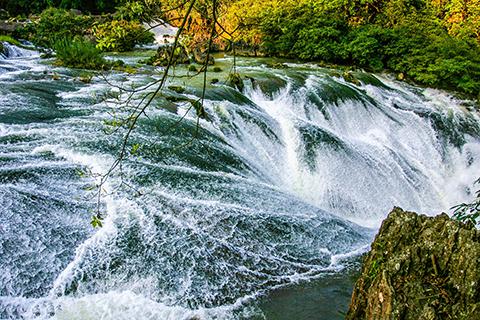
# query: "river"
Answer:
x=261 y=211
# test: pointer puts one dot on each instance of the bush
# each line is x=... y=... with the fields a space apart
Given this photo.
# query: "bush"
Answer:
x=55 y=24
x=121 y=35
x=79 y=53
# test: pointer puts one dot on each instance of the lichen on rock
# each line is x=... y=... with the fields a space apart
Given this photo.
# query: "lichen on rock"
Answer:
x=420 y=268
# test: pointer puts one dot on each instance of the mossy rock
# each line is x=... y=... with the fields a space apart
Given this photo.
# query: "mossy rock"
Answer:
x=162 y=57
x=177 y=89
x=420 y=267
x=349 y=77
x=235 y=81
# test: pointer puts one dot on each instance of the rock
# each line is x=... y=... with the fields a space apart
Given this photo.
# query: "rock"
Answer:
x=277 y=65
x=401 y=76
x=200 y=56
x=177 y=89
x=76 y=12
x=86 y=78
x=420 y=267
x=217 y=69
x=349 y=77
x=9 y=27
x=163 y=56
x=235 y=81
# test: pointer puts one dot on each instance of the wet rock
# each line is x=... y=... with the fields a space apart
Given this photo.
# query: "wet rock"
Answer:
x=9 y=27
x=200 y=56
x=235 y=81
x=162 y=57
x=420 y=267
x=177 y=89
x=349 y=77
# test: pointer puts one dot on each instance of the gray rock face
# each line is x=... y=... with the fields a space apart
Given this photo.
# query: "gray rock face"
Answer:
x=420 y=268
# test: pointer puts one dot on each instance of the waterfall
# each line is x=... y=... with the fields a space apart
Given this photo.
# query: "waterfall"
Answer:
x=11 y=52
x=281 y=185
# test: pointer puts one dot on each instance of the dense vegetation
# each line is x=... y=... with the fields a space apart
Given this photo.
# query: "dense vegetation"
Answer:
x=432 y=42
x=26 y=7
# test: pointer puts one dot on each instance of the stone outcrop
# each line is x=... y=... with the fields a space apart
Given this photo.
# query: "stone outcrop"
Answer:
x=420 y=268
x=9 y=27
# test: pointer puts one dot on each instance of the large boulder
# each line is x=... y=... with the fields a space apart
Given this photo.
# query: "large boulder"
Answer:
x=420 y=268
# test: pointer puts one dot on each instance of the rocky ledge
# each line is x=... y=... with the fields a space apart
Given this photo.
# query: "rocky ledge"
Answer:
x=420 y=268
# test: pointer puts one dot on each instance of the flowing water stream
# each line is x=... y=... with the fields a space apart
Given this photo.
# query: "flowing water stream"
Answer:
x=266 y=204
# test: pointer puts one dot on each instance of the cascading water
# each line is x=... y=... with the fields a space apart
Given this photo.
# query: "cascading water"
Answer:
x=283 y=184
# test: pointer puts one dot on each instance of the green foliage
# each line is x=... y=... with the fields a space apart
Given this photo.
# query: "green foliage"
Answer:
x=132 y=11
x=9 y=40
x=56 y=24
x=413 y=44
x=121 y=35
x=97 y=221
x=468 y=211
x=79 y=53
x=25 y=7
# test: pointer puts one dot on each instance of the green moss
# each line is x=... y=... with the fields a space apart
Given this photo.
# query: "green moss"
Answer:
x=9 y=40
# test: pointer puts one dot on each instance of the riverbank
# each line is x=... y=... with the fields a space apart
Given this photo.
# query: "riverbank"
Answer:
x=419 y=268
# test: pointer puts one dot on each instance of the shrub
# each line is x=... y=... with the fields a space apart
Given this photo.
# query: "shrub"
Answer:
x=56 y=24
x=121 y=35
x=79 y=53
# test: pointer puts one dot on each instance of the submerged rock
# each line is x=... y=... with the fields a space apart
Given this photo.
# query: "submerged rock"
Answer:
x=420 y=268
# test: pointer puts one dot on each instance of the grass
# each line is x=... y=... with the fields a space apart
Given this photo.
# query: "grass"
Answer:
x=80 y=54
